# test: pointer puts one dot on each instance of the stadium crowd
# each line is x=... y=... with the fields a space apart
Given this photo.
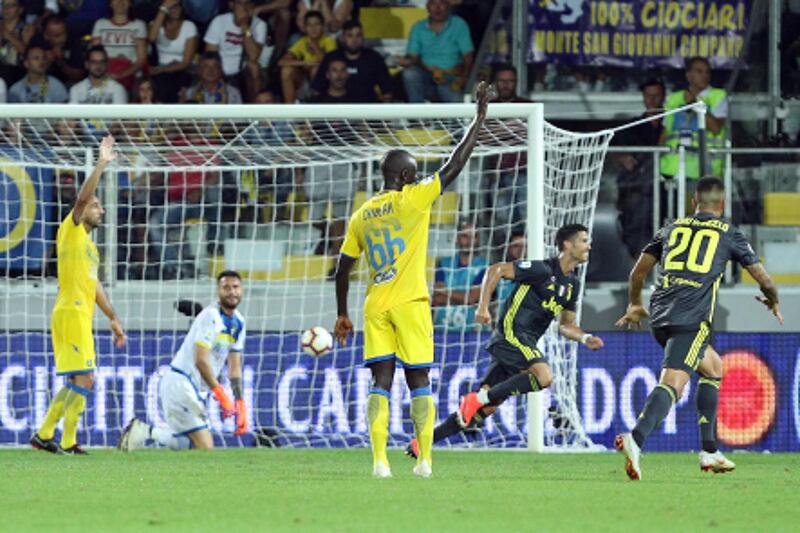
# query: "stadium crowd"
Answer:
x=288 y=51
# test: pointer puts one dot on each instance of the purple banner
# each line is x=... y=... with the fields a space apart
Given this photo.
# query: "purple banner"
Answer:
x=637 y=33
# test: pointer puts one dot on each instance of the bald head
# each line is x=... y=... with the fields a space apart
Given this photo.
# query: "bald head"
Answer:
x=709 y=194
x=398 y=168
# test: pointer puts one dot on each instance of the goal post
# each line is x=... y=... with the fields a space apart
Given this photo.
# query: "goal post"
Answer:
x=284 y=175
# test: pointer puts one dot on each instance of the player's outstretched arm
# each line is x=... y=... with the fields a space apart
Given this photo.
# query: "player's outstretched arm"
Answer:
x=636 y=311
x=491 y=278
x=768 y=289
x=569 y=328
x=201 y=361
x=235 y=377
x=344 y=326
x=458 y=159
x=86 y=192
x=105 y=305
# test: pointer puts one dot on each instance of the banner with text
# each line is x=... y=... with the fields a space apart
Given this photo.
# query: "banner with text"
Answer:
x=298 y=400
x=637 y=33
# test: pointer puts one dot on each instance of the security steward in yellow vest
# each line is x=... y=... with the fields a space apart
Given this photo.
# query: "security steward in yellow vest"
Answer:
x=682 y=128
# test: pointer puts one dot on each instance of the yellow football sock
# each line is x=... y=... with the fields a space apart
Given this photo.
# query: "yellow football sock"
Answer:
x=423 y=414
x=73 y=409
x=378 y=419
x=54 y=414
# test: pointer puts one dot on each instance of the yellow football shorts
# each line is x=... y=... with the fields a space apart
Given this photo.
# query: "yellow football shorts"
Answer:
x=404 y=332
x=73 y=342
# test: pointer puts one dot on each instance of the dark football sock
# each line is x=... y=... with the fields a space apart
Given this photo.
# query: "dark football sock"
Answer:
x=707 y=401
x=447 y=428
x=513 y=386
x=656 y=408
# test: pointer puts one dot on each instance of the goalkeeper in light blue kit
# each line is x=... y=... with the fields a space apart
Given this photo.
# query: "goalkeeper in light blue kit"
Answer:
x=217 y=335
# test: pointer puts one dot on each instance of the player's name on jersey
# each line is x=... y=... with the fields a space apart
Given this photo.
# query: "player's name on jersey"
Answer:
x=713 y=223
x=383 y=210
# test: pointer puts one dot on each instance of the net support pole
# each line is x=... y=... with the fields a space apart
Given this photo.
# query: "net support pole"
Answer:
x=536 y=246
x=728 y=214
x=702 y=137
x=681 y=177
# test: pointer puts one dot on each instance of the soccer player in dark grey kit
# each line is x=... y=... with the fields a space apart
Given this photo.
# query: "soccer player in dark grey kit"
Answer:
x=692 y=253
x=545 y=289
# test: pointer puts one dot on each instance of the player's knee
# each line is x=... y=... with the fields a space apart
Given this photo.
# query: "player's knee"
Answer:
x=417 y=378
x=543 y=375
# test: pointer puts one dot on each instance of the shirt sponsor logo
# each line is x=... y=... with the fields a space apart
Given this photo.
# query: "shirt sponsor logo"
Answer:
x=384 y=277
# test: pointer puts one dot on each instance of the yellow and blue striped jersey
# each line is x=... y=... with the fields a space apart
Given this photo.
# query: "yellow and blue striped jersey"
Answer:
x=78 y=261
x=391 y=229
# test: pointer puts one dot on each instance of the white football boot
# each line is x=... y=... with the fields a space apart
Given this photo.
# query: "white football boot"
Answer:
x=715 y=462
x=381 y=470
x=423 y=469
x=134 y=437
x=624 y=443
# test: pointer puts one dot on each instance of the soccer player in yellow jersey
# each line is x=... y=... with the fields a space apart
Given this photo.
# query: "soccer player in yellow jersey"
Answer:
x=78 y=291
x=391 y=229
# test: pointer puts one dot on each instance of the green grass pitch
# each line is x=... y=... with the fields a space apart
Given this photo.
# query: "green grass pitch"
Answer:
x=332 y=490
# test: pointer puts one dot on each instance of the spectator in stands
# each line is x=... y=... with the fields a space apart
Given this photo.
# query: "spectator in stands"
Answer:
x=439 y=56
x=239 y=37
x=98 y=87
x=683 y=128
x=80 y=16
x=3 y=91
x=457 y=282
x=212 y=87
x=301 y=61
x=334 y=183
x=366 y=68
x=506 y=173
x=176 y=41
x=337 y=91
x=201 y=12
x=66 y=58
x=125 y=42
x=516 y=250
x=635 y=177
x=334 y=18
x=279 y=14
x=37 y=87
x=189 y=195
x=15 y=37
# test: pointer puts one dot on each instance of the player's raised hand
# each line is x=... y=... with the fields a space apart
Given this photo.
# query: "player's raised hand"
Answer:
x=632 y=317
x=483 y=94
x=119 y=333
x=224 y=400
x=483 y=316
x=342 y=329
x=107 y=153
x=772 y=306
x=241 y=418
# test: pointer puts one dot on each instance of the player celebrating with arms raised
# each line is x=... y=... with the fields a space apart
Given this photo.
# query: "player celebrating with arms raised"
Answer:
x=78 y=291
x=545 y=289
x=692 y=253
x=391 y=228
x=216 y=335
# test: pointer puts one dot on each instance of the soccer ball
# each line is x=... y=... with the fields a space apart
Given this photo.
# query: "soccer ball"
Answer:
x=316 y=341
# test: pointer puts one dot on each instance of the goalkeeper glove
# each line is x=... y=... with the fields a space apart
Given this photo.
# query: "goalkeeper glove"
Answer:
x=241 y=418
x=224 y=401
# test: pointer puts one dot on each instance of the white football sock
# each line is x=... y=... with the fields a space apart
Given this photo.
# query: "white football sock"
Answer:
x=165 y=437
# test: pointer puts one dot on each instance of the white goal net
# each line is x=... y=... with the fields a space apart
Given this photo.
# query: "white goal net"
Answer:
x=266 y=191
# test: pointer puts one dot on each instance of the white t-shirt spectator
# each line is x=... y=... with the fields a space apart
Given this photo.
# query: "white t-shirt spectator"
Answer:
x=110 y=92
x=119 y=41
x=224 y=33
x=171 y=51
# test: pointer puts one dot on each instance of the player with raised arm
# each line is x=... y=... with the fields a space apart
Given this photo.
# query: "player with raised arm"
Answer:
x=692 y=253
x=78 y=291
x=391 y=229
x=545 y=289
x=217 y=335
